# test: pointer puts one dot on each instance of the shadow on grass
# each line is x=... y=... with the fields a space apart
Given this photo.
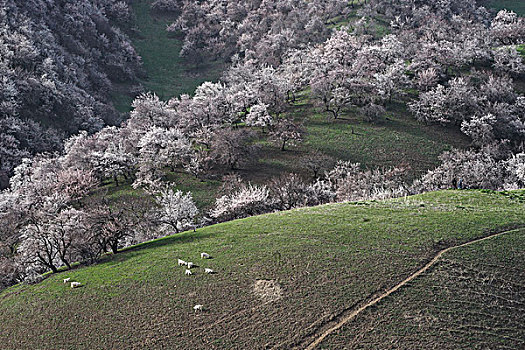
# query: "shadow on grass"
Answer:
x=141 y=248
x=124 y=254
x=184 y=237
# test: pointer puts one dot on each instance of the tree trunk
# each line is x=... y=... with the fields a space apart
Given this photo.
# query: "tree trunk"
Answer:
x=47 y=262
x=114 y=247
x=334 y=113
x=291 y=96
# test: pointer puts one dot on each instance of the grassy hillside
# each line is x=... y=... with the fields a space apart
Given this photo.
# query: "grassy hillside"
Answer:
x=166 y=73
x=517 y=6
x=397 y=139
x=279 y=276
x=473 y=299
x=393 y=141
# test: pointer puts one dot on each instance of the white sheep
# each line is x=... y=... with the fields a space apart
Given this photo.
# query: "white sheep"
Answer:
x=75 y=284
x=67 y=280
x=205 y=256
x=198 y=307
x=188 y=272
x=181 y=262
x=190 y=265
x=207 y=270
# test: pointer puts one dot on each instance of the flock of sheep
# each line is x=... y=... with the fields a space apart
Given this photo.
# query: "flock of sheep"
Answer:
x=73 y=284
x=189 y=265
x=189 y=272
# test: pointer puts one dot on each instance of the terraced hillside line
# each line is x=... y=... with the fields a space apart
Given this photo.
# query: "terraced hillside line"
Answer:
x=352 y=313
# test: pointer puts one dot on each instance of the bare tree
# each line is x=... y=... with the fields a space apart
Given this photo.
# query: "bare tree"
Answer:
x=315 y=162
x=287 y=132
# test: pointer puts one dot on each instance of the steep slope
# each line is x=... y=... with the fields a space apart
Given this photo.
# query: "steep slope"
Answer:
x=166 y=73
x=58 y=63
x=395 y=140
x=280 y=277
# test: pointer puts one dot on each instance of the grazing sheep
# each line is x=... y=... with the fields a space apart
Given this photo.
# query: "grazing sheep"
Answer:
x=181 y=262
x=67 y=280
x=205 y=256
x=75 y=284
x=190 y=265
x=198 y=307
x=188 y=272
x=207 y=270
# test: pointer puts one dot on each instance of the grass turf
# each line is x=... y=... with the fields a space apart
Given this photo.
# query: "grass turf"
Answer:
x=517 y=6
x=398 y=139
x=473 y=299
x=324 y=259
x=168 y=75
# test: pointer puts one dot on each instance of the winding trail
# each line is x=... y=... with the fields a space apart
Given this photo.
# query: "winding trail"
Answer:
x=350 y=314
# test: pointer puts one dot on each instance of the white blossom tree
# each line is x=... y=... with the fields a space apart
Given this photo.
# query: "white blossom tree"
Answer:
x=247 y=201
x=391 y=81
x=50 y=238
x=450 y=104
x=259 y=116
x=465 y=169
x=516 y=169
x=480 y=129
x=175 y=209
x=508 y=28
x=507 y=59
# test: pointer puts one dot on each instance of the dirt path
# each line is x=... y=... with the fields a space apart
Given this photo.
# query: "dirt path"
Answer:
x=352 y=313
